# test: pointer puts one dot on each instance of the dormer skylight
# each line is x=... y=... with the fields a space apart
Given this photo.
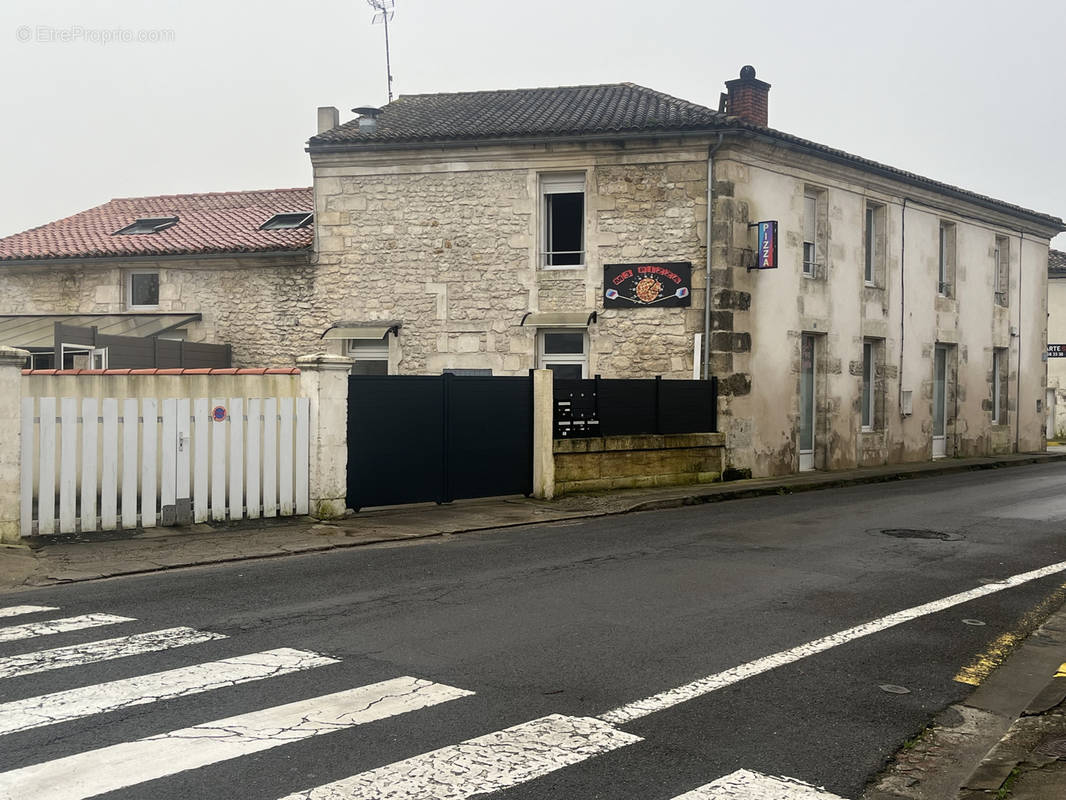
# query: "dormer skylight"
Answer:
x=294 y=219
x=147 y=225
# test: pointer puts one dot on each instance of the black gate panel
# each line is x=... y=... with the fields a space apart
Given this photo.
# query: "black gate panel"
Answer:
x=490 y=436
x=415 y=439
x=395 y=447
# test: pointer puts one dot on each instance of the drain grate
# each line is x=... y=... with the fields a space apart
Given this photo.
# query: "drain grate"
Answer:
x=918 y=533
x=1054 y=747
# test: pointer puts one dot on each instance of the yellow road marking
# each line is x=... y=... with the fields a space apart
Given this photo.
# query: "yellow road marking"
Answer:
x=1062 y=672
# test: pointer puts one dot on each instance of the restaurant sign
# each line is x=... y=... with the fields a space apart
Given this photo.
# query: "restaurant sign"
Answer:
x=766 y=248
x=1056 y=351
x=667 y=284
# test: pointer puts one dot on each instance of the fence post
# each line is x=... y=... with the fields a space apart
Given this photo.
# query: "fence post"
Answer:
x=543 y=435
x=324 y=381
x=12 y=360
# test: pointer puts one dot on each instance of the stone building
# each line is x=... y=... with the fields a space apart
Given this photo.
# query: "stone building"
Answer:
x=473 y=231
x=235 y=264
x=1056 y=341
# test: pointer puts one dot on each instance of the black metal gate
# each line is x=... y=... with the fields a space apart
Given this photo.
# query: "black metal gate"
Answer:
x=419 y=438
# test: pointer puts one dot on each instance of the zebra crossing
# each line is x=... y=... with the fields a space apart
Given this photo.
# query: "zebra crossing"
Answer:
x=492 y=762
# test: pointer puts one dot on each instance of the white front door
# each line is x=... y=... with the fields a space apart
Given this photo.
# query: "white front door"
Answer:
x=940 y=401
x=1050 y=415
x=806 y=422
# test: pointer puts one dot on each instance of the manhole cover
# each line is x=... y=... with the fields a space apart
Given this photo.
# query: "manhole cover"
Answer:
x=1051 y=748
x=918 y=533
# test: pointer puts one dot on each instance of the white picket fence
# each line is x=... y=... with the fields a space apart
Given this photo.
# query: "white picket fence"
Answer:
x=146 y=462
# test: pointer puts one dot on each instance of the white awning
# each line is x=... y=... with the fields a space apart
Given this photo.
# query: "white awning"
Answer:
x=558 y=319
x=362 y=330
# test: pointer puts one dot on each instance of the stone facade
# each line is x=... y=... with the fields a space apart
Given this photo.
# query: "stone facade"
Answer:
x=261 y=305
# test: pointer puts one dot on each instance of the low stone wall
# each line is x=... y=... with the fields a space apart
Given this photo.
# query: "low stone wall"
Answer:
x=619 y=462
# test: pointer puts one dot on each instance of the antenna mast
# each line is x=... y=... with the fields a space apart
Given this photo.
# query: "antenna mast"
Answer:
x=384 y=12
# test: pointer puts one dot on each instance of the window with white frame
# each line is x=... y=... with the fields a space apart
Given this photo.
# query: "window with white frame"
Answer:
x=874 y=244
x=369 y=356
x=946 y=260
x=1002 y=270
x=562 y=224
x=999 y=386
x=564 y=352
x=142 y=289
x=869 y=390
x=810 y=232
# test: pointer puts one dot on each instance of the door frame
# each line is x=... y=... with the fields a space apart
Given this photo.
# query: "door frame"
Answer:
x=807 y=456
x=939 y=441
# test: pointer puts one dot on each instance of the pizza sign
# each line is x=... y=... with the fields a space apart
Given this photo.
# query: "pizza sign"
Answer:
x=667 y=284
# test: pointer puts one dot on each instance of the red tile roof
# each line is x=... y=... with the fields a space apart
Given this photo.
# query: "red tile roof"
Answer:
x=218 y=222
x=161 y=371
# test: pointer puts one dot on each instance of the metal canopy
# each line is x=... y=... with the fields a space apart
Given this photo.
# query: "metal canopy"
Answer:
x=558 y=319
x=347 y=329
x=37 y=331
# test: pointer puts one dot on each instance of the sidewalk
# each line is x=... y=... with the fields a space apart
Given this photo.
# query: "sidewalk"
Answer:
x=46 y=561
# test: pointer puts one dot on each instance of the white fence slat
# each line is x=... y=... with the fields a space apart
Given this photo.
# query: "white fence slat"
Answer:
x=168 y=451
x=28 y=434
x=200 y=429
x=219 y=431
x=285 y=457
x=184 y=457
x=236 y=458
x=130 y=424
x=303 y=445
x=253 y=464
x=46 y=484
x=149 y=435
x=270 y=456
x=68 y=465
x=89 y=428
x=109 y=466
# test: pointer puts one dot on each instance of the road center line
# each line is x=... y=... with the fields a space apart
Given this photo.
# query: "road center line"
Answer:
x=31 y=629
x=76 y=655
x=711 y=683
x=101 y=698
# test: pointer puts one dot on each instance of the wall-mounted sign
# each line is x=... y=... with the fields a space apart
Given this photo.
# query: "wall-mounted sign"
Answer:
x=218 y=414
x=1056 y=351
x=667 y=284
x=766 y=244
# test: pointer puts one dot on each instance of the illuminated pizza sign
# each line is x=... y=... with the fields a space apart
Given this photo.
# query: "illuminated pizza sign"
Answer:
x=766 y=244
x=665 y=284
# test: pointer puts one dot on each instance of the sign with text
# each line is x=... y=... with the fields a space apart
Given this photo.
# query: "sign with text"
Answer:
x=766 y=244
x=1056 y=351
x=667 y=284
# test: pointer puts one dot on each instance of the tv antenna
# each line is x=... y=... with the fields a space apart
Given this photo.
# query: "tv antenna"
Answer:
x=383 y=13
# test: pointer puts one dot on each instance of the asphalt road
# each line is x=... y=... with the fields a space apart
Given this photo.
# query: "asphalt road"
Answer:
x=573 y=620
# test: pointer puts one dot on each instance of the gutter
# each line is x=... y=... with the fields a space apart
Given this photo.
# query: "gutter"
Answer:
x=90 y=260
x=707 y=280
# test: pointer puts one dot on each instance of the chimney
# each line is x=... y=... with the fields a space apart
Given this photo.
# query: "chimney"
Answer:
x=747 y=97
x=328 y=118
x=368 y=118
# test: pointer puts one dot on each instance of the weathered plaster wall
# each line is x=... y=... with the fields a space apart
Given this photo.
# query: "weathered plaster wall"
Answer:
x=1056 y=334
x=262 y=306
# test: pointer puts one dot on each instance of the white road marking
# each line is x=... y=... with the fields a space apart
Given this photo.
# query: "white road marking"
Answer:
x=745 y=785
x=110 y=768
x=31 y=629
x=78 y=654
x=477 y=766
x=14 y=611
x=50 y=709
x=711 y=683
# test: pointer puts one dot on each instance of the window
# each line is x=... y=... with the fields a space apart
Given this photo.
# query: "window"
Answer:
x=563 y=352
x=296 y=219
x=142 y=289
x=1002 y=270
x=76 y=356
x=369 y=356
x=999 y=386
x=869 y=391
x=810 y=233
x=946 y=261
x=562 y=220
x=873 y=241
x=147 y=225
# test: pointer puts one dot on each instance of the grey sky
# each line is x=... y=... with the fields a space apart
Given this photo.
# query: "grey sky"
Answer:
x=964 y=92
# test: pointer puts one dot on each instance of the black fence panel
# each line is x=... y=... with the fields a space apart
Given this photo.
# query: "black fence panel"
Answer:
x=489 y=436
x=395 y=446
x=628 y=406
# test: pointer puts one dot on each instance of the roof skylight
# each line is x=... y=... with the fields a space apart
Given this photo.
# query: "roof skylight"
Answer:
x=295 y=219
x=147 y=225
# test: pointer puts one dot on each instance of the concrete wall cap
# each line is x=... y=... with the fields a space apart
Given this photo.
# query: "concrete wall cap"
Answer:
x=323 y=361
x=13 y=356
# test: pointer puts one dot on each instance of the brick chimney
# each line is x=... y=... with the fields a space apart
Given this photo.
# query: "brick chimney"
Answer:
x=747 y=97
